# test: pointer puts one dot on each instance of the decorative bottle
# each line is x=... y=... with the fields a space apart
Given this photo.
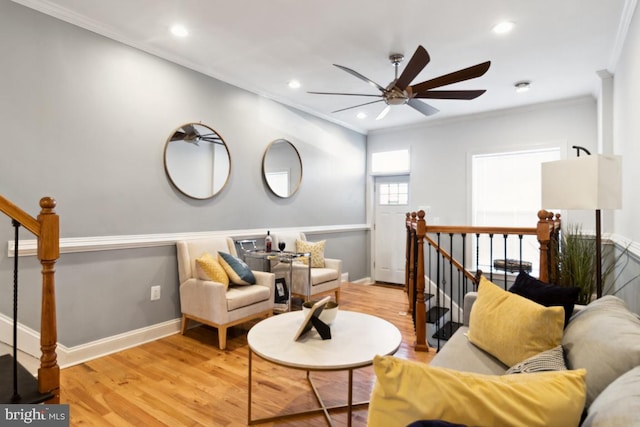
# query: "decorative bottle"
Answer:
x=268 y=242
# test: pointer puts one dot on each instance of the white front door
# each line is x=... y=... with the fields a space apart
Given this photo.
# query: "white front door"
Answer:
x=391 y=205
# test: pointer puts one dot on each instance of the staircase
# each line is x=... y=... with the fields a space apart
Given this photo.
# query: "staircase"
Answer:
x=440 y=324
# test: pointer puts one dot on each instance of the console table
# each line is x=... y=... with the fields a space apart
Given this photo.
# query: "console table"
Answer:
x=355 y=339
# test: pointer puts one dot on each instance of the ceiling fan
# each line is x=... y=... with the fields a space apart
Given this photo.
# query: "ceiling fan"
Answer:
x=400 y=92
x=188 y=133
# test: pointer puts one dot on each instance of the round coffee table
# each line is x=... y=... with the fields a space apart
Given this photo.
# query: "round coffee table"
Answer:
x=355 y=339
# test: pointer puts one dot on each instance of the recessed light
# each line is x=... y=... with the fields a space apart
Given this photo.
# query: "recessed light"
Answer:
x=294 y=84
x=503 y=27
x=361 y=115
x=522 y=86
x=179 y=31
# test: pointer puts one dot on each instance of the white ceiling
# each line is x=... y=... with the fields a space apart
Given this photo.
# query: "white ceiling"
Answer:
x=260 y=45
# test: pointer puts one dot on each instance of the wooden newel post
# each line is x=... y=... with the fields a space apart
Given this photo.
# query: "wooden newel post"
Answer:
x=411 y=255
x=548 y=233
x=421 y=311
x=48 y=253
x=407 y=256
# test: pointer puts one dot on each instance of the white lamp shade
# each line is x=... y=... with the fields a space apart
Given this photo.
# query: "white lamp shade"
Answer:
x=587 y=182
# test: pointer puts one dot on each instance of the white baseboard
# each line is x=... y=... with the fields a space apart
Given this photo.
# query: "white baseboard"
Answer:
x=29 y=341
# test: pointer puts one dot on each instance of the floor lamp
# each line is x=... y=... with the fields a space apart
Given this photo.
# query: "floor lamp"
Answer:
x=587 y=182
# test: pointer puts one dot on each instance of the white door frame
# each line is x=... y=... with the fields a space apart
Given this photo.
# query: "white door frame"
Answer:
x=402 y=177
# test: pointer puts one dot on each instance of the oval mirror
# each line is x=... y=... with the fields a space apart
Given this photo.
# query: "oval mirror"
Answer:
x=282 y=168
x=197 y=161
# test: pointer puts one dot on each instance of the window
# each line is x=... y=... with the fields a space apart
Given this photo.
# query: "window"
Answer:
x=395 y=193
x=506 y=192
x=278 y=182
x=390 y=162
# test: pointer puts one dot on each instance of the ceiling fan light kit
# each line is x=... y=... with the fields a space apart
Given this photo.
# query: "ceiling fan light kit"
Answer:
x=401 y=92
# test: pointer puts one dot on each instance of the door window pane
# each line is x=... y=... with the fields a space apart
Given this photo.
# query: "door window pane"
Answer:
x=394 y=193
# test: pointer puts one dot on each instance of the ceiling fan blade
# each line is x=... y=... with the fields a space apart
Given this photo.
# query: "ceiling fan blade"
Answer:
x=450 y=94
x=356 y=106
x=178 y=136
x=418 y=61
x=341 y=93
x=384 y=112
x=210 y=135
x=361 y=77
x=424 y=108
x=210 y=139
x=455 y=77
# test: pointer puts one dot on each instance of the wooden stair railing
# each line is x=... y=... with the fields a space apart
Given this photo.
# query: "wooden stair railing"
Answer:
x=547 y=232
x=46 y=227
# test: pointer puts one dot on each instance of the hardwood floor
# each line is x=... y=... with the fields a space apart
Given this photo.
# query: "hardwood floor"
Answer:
x=184 y=380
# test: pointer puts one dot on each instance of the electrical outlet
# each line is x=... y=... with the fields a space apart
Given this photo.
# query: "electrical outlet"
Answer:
x=155 y=293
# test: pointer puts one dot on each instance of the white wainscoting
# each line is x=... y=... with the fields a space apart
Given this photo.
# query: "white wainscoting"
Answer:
x=107 y=243
x=29 y=341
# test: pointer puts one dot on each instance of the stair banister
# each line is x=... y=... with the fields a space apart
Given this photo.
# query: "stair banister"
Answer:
x=547 y=232
x=47 y=229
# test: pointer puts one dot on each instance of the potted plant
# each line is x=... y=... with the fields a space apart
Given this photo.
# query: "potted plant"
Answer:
x=577 y=263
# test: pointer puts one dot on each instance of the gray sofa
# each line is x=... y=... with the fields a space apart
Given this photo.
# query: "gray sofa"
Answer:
x=602 y=337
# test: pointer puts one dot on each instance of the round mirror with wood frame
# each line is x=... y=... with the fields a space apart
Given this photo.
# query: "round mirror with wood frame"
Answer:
x=282 y=168
x=197 y=161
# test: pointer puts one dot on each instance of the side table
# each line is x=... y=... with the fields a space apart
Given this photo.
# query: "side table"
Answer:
x=282 y=264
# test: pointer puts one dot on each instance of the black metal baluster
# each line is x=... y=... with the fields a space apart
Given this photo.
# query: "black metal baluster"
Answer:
x=491 y=256
x=437 y=323
x=477 y=256
x=16 y=396
x=506 y=263
x=463 y=281
x=520 y=240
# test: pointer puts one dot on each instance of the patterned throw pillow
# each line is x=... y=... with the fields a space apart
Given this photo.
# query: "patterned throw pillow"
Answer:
x=239 y=273
x=316 y=250
x=550 y=360
x=210 y=269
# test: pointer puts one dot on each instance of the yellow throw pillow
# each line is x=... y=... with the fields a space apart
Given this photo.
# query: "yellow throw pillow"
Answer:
x=210 y=269
x=510 y=327
x=407 y=391
x=315 y=249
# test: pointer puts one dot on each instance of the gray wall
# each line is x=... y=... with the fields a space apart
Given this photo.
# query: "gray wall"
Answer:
x=85 y=120
x=440 y=152
x=626 y=143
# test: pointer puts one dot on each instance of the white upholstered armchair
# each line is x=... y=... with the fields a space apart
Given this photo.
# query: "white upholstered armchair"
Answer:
x=326 y=276
x=210 y=302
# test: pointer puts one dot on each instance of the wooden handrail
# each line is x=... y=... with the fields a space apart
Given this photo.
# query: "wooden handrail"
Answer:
x=14 y=212
x=470 y=229
x=47 y=229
